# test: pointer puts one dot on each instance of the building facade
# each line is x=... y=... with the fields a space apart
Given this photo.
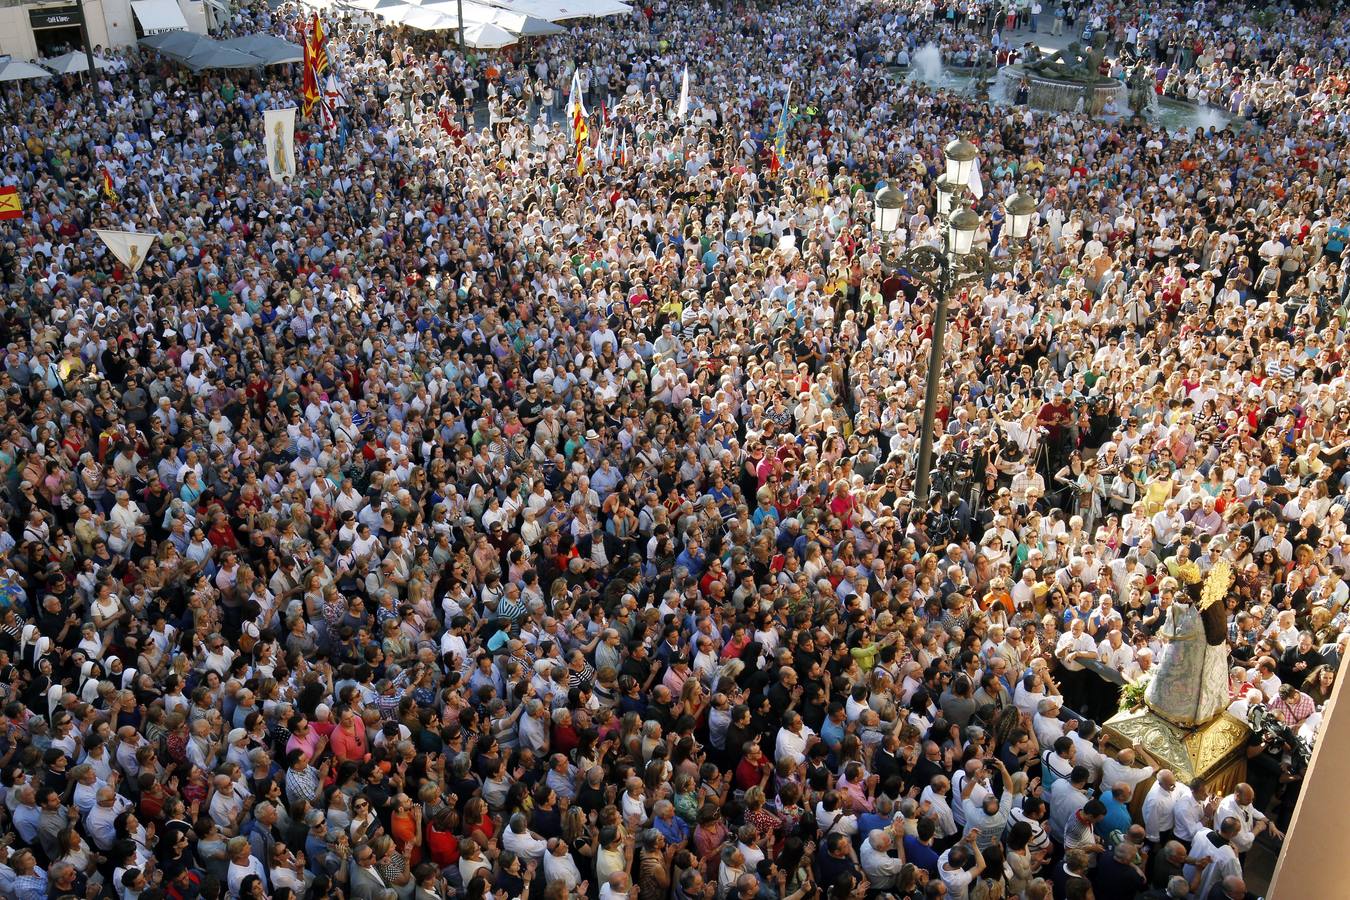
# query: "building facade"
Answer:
x=35 y=31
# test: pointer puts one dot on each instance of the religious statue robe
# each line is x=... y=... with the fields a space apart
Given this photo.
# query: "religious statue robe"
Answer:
x=1190 y=686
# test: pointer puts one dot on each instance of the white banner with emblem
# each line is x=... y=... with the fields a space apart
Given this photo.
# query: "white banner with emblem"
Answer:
x=279 y=130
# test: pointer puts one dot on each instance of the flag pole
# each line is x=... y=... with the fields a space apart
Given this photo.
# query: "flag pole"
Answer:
x=89 y=58
x=468 y=114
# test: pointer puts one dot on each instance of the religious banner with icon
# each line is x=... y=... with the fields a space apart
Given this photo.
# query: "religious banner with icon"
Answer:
x=279 y=128
x=130 y=247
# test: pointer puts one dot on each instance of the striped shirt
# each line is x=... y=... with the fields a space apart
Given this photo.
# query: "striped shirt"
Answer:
x=302 y=785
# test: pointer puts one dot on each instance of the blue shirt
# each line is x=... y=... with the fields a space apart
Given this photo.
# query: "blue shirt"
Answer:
x=870 y=822
x=674 y=831
x=831 y=733
x=692 y=560
x=1117 y=817
x=921 y=855
x=25 y=821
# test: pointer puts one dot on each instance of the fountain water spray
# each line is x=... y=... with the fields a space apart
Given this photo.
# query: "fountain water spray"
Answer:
x=927 y=63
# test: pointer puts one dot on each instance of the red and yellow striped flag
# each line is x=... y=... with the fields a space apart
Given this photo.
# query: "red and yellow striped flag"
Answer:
x=320 y=50
x=109 y=190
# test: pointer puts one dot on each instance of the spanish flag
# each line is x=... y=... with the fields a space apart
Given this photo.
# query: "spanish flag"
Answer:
x=10 y=205
x=108 y=190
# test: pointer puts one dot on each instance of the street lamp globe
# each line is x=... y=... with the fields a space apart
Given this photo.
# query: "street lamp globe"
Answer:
x=961 y=231
x=946 y=193
x=1020 y=209
x=886 y=214
x=960 y=155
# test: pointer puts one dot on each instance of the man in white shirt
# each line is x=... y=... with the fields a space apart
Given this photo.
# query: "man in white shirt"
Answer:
x=616 y=888
x=1239 y=707
x=1088 y=756
x=1047 y=724
x=936 y=795
x=1114 y=652
x=1074 y=646
x=1141 y=665
x=559 y=865
x=244 y=864
x=101 y=821
x=227 y=805
x=1188 y=813
x=793 y=740
x=968 y=774
x=1251 y=821
x=952 y=866
x=1159 y=804
x=1024 y=589
x=833 y=816
x=1121 y=768
x=880 y=867
x=1264 y=677
x=1218 y=849
x=1067 y=797
x=522 y=842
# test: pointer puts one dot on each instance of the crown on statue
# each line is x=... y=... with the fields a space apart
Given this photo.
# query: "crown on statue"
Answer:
x=1188 y=573
x=1217 y=583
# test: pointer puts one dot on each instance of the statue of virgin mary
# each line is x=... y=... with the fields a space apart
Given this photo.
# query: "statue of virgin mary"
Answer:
x=1191 y=684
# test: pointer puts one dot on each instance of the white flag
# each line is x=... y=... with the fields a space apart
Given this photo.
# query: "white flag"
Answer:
x=129 y=247
x=279 y=135
x=684 y=94
x=574 y=100
x=976 y=183
x=154 y=208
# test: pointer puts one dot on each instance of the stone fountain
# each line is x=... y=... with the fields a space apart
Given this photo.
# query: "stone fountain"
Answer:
x=1069 y=80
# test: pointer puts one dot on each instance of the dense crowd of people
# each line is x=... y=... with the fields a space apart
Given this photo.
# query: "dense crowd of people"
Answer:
x=458 y=520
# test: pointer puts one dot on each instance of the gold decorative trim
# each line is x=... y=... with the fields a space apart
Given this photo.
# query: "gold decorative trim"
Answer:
x=1190 y=753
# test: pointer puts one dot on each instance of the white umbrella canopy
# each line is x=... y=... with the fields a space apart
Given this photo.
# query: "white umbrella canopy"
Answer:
x=378 y=5
x=560 y=10
x=486 y=36
x=423 y=19
x=73 y=62
x=525 y=25
x=473 y=12
x=15 y=70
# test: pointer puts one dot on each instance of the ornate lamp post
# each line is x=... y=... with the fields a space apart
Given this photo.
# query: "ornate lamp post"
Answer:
x=945 y=271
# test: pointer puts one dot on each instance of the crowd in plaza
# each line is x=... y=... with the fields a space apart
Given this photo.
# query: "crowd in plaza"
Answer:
x=460 y=521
